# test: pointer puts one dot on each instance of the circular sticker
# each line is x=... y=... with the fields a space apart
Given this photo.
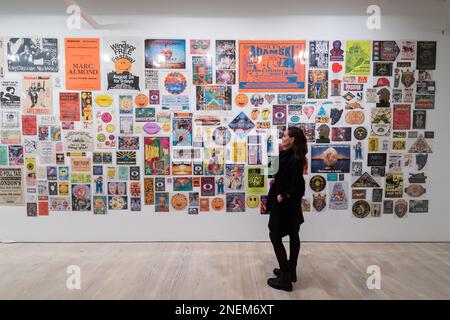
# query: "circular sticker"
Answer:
x=141 y=100
x=354 y=117
x=360 y=133
x=361 y=209
x=295 y=119
x=400 y=208
x=257 y=100
x=101 y=137
x=179 y=201
x=317 y=183
x=217 y=204
x=241 y=100
x=166 y=126
x=175 y=83
x=106 y=117
x=110 y=128
x=252 y=201
x=221 y=136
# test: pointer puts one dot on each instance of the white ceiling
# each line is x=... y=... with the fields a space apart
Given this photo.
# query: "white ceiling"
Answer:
x=229 y=8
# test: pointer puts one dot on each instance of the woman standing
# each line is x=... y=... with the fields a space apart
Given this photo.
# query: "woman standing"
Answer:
x=284 y=206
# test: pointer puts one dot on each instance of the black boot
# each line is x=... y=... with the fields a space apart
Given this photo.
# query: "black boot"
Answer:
x=283 y=282
x=292 y=273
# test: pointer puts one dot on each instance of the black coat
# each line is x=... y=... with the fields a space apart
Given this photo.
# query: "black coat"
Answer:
x=286 y=217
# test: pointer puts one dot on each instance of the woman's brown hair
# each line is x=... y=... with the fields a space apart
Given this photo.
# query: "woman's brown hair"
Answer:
x=300 y=145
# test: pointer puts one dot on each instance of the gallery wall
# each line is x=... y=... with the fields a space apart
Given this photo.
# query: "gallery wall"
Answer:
x=327 y=225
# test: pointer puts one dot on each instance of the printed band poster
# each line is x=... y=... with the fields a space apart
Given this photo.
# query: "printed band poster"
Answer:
x=124 y=65
x=11 y=188
x=9 y=94
x=82 y=63
x=358 y=55
x=157 y=155
x=32 y=54
x=37 y=95
x=165 y=54
x=69 y=106
x=273 y=66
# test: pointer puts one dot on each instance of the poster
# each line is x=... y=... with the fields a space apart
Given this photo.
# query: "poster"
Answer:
x=11 y=186
x=124 y=66
x=9 y=94
x=32 y=55
x=215 y=97
x=318 y=84
x=10 y=119
x=37 y=95
x=402 y=117
x=78 y=141
x=82 y=63
x=318 y=54
x=357 y=57
x=393 y=185
x=156 y=155
x=69 y=106
x=256 y=180
x=29 y=125
x=426 y=55
x=272 y=66
x=81 y=197
x=200 y=47
x=202 y=70
x=330 y=158
x=226 y=54
x=165 y=54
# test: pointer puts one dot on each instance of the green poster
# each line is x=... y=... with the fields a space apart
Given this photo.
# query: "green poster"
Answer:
x=3 y=156
x=357 y=57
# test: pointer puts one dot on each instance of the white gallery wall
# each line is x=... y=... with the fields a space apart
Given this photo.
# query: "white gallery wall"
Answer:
x=426 y=23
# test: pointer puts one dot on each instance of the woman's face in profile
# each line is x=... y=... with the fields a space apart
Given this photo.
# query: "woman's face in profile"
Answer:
x=286 y=140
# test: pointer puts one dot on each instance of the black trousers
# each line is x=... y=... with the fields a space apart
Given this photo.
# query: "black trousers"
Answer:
x=294 y=250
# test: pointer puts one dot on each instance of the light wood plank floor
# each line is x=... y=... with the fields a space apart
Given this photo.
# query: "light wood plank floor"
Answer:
x=235 y=270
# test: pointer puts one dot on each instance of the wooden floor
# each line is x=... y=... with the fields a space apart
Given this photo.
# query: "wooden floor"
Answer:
x=236 y=270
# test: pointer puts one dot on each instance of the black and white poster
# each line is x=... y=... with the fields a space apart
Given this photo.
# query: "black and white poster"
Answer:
x=2 y=60
x=9 y=94
x=123 y=64
x=32 y=54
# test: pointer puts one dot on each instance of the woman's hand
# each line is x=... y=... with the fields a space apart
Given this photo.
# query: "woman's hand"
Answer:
x=279 y=198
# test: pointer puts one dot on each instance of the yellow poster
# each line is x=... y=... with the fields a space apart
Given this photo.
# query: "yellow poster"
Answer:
x=357 y=57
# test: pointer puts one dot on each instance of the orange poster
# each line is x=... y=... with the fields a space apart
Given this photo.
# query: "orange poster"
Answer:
x=82 y=63
x=272 y=66
x=69 y=106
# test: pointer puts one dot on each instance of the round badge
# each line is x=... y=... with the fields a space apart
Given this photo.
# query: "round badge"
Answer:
x=221 y=136
x=217 y=204
x=252 y=201
x=400 y=208
x=179 y=201
x=141 y=100
x=175 y=83
x=241 y=100
x=360 y=133
x=106 y=117
x=317 y=183
x=166 y=126
x=101 y=137
x=110 y=128
x=361 y=209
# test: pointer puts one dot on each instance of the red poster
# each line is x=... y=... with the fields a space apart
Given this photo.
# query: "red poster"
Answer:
x=43 y=208
x=29 y=125
x=69 y=106
x=402 y=116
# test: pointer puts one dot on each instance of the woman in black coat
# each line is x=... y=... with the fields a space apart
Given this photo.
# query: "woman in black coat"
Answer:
x=284 y=205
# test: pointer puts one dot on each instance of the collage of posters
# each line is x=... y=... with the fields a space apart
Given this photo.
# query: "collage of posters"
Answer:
x=194 y=125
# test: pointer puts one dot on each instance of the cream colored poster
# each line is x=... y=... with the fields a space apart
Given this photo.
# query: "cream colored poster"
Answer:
x=11 y=186
x=37 y=95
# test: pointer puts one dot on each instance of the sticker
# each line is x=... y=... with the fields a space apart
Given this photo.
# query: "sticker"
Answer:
x=361 y=209
x=317 y=183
